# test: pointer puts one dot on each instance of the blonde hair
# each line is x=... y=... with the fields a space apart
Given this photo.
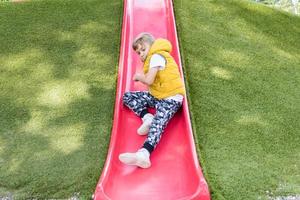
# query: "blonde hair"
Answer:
x=141 y=39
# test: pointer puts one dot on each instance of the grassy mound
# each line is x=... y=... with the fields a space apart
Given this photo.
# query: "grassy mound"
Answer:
x=58 y=63
x=242 y=64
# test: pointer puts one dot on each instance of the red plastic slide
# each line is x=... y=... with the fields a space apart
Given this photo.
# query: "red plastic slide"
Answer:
x=175 y=172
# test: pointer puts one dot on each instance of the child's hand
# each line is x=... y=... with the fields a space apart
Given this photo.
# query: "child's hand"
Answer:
x=138 y=76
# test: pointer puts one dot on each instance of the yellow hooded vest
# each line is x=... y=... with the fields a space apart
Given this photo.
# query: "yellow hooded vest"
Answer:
x=167 y=81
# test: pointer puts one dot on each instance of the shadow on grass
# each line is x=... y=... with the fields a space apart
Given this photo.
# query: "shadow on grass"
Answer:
x=58 y=64
x=60 y=32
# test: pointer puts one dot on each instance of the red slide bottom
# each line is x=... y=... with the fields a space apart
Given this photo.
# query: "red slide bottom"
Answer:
x=175 y=172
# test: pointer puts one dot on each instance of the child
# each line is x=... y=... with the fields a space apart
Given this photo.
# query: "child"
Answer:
x=166 y=93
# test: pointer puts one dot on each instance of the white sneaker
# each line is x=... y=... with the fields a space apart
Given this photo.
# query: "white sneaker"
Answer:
x=144 y=128
x=139 y=158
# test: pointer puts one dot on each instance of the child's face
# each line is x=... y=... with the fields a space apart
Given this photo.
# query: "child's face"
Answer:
x=143 y=50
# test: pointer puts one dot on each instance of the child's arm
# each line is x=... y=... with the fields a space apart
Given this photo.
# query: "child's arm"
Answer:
x=148 y=78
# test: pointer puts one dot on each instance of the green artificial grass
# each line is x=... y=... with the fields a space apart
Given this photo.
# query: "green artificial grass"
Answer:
x=242 y=67
x=58 y=63
x=58 y=68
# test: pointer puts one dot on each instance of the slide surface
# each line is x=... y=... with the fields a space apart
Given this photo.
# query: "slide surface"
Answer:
x=175 y=172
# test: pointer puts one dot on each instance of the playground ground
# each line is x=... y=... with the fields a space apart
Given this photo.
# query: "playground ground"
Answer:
x=58 y=76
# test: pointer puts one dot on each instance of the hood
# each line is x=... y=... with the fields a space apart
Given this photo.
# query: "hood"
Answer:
x=161 y=45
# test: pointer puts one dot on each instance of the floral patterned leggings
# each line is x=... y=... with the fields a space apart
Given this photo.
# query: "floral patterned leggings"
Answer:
x=138 y=101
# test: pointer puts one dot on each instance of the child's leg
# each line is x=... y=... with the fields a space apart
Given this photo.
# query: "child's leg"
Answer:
x=138 y=102
x=165 y=110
